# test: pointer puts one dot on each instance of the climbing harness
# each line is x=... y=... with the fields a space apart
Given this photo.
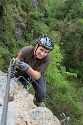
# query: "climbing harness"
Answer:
x=5 y=106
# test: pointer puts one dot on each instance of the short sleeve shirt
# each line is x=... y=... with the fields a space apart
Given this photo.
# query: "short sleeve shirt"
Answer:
x=26 y=54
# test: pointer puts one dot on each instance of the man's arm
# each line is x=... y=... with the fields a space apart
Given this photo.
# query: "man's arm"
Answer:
x=25 y=67
x=35 y=74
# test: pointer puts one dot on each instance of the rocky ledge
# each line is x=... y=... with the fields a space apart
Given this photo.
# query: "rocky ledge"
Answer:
x=21 y=109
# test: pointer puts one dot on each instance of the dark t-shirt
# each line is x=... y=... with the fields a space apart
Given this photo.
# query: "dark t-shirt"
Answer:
x=27 y=56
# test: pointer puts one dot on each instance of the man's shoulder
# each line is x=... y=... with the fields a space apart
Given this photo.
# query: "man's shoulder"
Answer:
x=27 y=48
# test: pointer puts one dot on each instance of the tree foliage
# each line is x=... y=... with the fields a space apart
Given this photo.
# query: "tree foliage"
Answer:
x=22 y=22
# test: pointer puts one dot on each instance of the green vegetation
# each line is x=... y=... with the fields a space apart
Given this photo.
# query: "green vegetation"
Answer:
x=22 y=22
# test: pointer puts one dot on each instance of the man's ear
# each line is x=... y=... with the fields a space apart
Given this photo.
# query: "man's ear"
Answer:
x=36 y=46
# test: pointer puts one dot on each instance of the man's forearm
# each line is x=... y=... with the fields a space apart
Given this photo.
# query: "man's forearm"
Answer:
x=36 y=75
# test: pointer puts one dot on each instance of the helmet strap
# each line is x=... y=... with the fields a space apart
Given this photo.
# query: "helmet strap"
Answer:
x=37 y=45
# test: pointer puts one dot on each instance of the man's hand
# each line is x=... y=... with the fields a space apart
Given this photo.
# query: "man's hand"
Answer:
x=23 y=66
x=13 y=70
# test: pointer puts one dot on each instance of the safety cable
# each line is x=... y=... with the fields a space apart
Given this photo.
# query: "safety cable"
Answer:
x=66 y=119
x=6 y=97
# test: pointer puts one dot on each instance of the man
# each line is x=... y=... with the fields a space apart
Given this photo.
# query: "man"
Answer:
x=33 y=61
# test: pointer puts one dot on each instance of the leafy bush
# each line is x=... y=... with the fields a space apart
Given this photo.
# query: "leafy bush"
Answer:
x=4 y=59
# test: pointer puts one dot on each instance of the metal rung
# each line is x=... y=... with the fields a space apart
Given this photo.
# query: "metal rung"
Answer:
x=29 y=85
x=66 y=119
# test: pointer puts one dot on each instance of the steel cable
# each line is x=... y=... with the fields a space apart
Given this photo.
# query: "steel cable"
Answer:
x=6 y=98
x=66 y=119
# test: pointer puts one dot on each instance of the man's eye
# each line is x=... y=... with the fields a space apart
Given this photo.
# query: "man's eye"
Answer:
x=46 y=52
x=41 y=50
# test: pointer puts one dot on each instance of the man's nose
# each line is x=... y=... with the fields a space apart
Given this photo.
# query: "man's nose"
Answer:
x=43 y=53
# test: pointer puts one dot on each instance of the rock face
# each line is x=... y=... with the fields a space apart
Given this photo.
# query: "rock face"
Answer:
x=21 y=109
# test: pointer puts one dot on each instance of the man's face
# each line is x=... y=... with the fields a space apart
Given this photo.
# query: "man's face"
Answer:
x=40 y=52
